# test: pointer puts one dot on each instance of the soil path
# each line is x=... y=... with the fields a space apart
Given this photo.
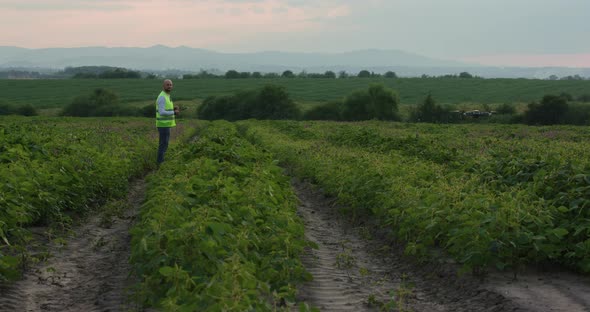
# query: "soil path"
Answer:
x=89 y=273
x=557 y=291
x=356 y=269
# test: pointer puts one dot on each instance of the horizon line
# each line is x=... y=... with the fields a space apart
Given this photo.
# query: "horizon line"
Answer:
x=578 y=60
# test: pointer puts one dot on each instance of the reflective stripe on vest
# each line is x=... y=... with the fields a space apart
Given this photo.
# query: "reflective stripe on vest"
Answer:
x=165 y=121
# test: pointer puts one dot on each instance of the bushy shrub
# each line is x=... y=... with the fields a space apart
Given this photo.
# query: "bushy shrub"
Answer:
x=100 y=103
x=24 y=110
x=355 y=106
x=549 y=111
x=364 y=74
x=232 y=74
x=79 y=107
x=377 y=102
x=429 y=111
x=506 y=109
x=6 y=108
x=119 y=73
x=390 y=74
x=273 y=102
x=229 y=107
x=269 y=102
x=577 y=114
x=328 y=111
x=148 y=111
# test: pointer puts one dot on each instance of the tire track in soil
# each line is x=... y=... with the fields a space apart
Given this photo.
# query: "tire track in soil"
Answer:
x=348 y=268
x=558 y=291
x=89 y=273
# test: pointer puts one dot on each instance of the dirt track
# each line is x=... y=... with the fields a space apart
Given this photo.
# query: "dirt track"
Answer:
x=356 y=271
x=89 y=273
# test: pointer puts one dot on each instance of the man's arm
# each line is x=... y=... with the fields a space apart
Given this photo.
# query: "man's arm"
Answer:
x=162 y=107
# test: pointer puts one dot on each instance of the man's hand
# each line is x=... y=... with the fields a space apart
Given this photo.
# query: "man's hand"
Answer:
x=176 y=111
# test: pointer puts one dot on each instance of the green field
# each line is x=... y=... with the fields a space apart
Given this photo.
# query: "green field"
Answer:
x=219 y=227
x=500 y=196
x=46 y=94
x=225 y=237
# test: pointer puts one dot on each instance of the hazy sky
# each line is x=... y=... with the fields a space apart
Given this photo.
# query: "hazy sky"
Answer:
x=499 y=32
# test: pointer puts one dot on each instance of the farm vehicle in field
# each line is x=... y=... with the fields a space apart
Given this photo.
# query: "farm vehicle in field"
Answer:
x=471 y=114
x=476 y=114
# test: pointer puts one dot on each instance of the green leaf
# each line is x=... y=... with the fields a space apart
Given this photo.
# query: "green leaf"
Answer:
x=560 y=232
x=218 y=228
x=4 y=237
x=167 y=271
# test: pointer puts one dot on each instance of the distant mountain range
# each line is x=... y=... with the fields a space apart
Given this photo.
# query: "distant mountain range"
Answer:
x=160 y=58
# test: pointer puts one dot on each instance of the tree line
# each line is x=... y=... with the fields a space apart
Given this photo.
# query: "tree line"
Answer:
x=234 y=74
x=382 y=103
x=108 y=72
x=81 y=72
x=375 y=102
x=549 y=110
x=102 y=72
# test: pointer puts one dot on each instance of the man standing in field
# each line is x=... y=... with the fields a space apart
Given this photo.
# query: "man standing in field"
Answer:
x=165 y=112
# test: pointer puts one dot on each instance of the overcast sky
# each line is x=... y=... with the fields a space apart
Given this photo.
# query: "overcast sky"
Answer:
x=497 y=32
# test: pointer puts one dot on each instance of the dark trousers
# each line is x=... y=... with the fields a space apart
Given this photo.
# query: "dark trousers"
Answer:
x=163 y=144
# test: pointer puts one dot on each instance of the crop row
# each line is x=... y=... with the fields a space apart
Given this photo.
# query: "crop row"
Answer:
x=499 y=201
x=549 y=164
x=51 y=168
x=219 y=230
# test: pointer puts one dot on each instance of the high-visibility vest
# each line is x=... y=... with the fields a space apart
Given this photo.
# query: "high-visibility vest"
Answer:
x=165 y=121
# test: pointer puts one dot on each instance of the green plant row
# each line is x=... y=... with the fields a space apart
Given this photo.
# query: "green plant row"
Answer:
x=408 y=141
x=219 y=230
x=551 y=165
x=429 y=203
x=561 y=187
x=457 y=146
x=51 y=168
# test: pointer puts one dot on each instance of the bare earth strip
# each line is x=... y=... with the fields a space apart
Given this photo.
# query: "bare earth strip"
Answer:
x=89 y=273
x=544 y=291
x=355 y=273
x=351 y=272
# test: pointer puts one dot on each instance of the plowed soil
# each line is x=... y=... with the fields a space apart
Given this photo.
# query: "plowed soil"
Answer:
x=357 y=268
x=90 y=272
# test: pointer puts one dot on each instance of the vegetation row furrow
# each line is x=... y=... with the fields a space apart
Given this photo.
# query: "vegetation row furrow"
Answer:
x=499 y=210
x=219 y=230
x=52 y=169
